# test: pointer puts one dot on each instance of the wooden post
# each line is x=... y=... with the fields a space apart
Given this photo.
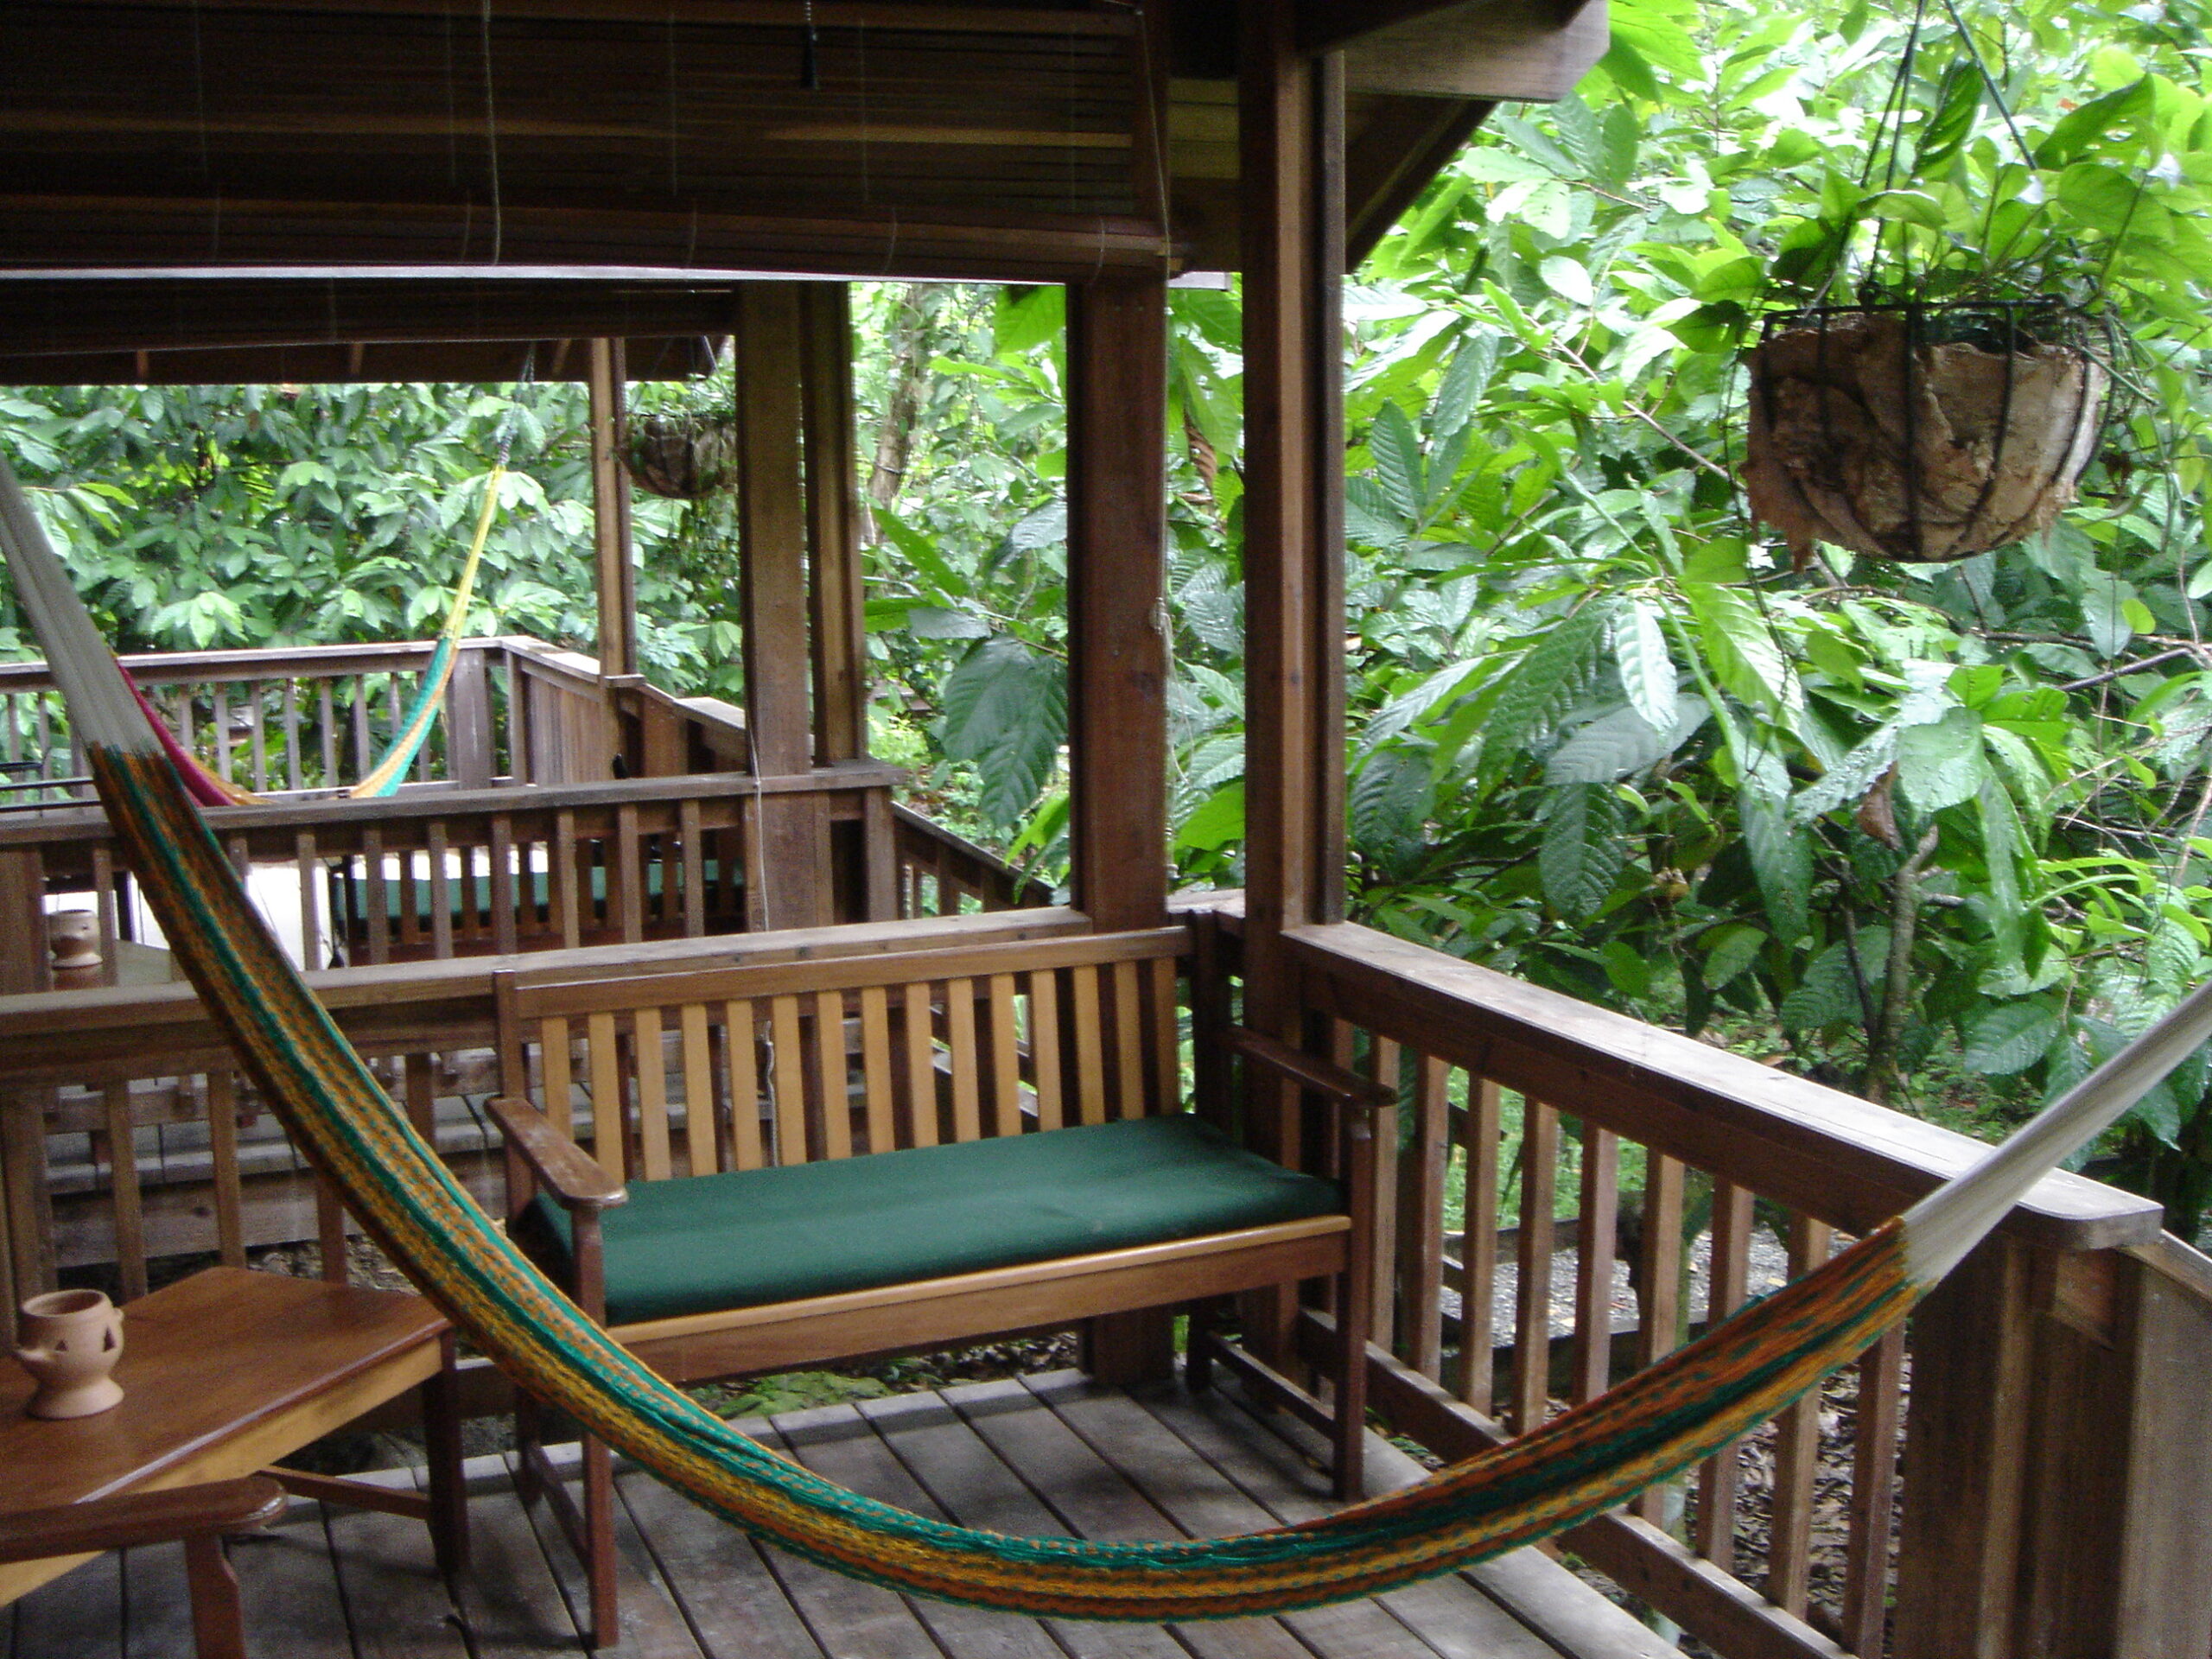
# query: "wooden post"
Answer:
x=771 y=549
x=1290 y=122
x=610 y=500
x=835 y=595
x=1117 y=647
x=1291 y=119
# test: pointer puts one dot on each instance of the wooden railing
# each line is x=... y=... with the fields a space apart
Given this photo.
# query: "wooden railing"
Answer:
x=442 y=874
x=2019 y=1475
x=208 y=1171
x=2031 y=1489
x=941 y=873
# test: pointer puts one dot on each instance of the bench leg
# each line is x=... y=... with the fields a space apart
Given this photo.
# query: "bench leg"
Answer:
x=218 y=1621
x=599 y=1543
x=529 y=1438
x=1122 y=1351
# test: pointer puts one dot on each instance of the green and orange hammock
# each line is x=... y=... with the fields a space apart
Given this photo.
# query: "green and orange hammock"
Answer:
x=211 y=788
x=1654 y=1426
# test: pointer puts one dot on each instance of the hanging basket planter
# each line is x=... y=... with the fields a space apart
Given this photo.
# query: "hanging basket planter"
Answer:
x=685 y=457
x=1920 y=433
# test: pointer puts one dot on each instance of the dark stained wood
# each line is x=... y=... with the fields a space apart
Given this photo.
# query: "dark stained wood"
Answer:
x=382 y=363
x=1797 y=1457
x=1394 y=153
x=1874 y=1495
x=1533 y=49
x=772 y=538
x=838 y=639
x=1290 y=123
x=1848 y=1162
x=610 y=500
x=132 y=1518
x=1118 y=648
x=1958 y=1558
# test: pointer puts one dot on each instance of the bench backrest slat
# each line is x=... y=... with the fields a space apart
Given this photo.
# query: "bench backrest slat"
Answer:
x=783 y=1062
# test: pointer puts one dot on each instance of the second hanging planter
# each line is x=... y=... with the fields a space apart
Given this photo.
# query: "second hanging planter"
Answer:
x=1919 y=432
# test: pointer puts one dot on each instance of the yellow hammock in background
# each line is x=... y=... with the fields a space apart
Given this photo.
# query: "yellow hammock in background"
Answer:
x=211 y=789
x=1591 y=1458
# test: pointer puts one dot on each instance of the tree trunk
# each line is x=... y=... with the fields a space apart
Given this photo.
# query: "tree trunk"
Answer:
x=910 y=353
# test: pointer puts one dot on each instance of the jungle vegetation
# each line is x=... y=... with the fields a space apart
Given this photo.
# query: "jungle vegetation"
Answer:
x=1936 y=834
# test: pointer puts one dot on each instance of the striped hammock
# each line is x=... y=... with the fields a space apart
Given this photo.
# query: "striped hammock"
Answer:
x=212 y=789
x=1652 y=1427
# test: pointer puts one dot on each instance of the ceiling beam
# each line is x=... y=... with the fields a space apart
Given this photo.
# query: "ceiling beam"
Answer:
x=880 y=15
x=1493 y=49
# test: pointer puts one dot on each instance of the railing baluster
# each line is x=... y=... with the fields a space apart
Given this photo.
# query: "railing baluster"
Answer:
x=222 y=722
x=362 y=760
x=1382 y=1062
x=694 y=868
x=1659 y=1296
x=1599 y=1214
x=106 y=906
x=1480 y=1140
x=327 y=732
x=565 y=875
x=627 y=877
x=1728 y=1282
x=374 y=899
x=1796 y=1454
x=1874 y=1495
x=501 y=857
x=433 y=834
x=1420 y=1218
x=257 y=735
x=310 y=877
x=294 y=776
x=1533 y=1291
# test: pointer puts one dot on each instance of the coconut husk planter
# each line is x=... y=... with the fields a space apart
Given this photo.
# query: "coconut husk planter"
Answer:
x=1920 y=434
x=684 y=457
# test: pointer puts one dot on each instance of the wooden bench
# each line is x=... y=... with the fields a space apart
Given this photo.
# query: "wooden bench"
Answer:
x=223 y=1374
x=798 y=1162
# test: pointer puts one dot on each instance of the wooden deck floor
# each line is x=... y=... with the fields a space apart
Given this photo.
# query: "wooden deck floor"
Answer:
x=1051 y=1454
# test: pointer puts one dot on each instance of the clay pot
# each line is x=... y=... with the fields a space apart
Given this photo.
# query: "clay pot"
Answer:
x=1874 y=431
x=71 y=1342
x=74 y=936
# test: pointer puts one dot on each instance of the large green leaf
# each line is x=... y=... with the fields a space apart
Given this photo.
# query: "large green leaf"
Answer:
x=1583 y=851
x=2008 y=1037
x=1941 y=764
x=1006 y=710
x=1621 y=742
x=1647 y=669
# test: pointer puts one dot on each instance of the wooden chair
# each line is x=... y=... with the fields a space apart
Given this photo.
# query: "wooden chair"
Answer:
x=798 y=1162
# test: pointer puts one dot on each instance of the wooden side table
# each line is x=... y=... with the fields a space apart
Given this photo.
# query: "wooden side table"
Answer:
x=223 y=1374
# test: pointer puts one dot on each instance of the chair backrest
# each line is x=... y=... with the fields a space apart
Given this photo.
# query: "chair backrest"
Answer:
x=782 y=1062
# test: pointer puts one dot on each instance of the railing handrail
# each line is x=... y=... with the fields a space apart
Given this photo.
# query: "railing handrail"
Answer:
x=299 y=662
x=72 y=1036
x=1844 y=1159
x=69 y=824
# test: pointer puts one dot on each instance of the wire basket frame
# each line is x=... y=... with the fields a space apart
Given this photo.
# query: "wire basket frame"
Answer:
x=1922 y=431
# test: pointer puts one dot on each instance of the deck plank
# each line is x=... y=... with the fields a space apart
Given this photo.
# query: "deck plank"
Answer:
x=726 y=1590
x=1096 y=1500
x=287 y=1583
x=970 y=1483
x=851 y=1620
x=1205 y=1502
x=1448 y=1614
x=158 y=1603
x=837 y=1442
x=651 y=1626
x=509 y=1602
x=74 y=1616
x=396 y=1600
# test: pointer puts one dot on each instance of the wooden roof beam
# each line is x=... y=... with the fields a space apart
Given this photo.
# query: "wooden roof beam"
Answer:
x=824 y=14
x=1494 y=50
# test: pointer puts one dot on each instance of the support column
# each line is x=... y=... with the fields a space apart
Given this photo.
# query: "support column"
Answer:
x=1291 y=119
x=865 y=889
x=610 y=502
x=787 y=889
x=1117 y=646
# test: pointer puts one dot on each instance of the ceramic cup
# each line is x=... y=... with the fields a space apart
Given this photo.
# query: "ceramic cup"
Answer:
x=71 y=1342
x=73 y=936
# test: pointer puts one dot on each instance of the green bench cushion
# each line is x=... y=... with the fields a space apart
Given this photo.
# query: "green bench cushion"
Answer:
x=751 y=1237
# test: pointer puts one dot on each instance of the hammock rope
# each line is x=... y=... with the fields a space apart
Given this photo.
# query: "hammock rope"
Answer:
x=1580 y=1463
x=211 y=788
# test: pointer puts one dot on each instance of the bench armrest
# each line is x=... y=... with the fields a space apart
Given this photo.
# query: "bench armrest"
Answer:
x=1323 y=1078
x=567 y=1172
x=134 y=1518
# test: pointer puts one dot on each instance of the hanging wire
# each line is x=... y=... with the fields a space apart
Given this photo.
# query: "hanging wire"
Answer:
x=491 y=136
x=810 y=54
